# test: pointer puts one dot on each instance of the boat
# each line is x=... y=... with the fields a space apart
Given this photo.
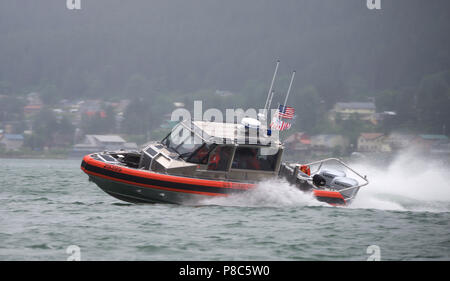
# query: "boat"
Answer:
x=204 y=159
x=201 y=159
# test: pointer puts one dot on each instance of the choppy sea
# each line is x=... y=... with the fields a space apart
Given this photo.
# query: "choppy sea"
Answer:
x=48 y=208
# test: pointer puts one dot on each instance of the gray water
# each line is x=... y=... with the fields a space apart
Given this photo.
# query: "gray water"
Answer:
x=48 y=205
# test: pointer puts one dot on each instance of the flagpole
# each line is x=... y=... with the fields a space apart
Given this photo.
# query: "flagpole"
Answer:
x=270 y=100
x=271 y=85
x=287 y=95
x=289 y=89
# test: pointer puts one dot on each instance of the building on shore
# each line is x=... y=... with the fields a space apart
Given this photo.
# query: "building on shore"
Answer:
x=11 y=142
x=299 y=141
x=431 y=142
x=329 y=142
x=440 y=149
x=95 y=143
x=399 y=141
x=344 y=110
x=373 y=142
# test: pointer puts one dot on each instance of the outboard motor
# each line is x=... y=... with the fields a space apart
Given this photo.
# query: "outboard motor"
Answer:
x=339 y=183
x=319 y=181
x=330 y=174
x=329 y=185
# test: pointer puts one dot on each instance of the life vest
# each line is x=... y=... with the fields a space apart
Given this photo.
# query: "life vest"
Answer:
x=305 y=169
x=201 y=155
x=255 y=163
x=214 y=161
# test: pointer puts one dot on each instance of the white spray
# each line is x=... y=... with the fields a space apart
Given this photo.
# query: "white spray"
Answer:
x=270 y=193
x=409 y=183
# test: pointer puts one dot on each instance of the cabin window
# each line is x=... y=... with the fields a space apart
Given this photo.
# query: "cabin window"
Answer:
x=249 y=158
x=189 y=145
x=220 y=158
x=151 y=151
x=201 y=155
x=182 y=141
x=173 y=139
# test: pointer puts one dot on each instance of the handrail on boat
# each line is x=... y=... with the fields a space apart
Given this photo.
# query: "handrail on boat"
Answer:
x=320 y=162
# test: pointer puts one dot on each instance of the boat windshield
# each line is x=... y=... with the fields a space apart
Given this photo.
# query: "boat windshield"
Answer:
x=189 y=146
x=201 y=155
x=182 y=142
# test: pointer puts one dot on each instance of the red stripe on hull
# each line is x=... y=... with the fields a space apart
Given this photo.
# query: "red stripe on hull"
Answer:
x=151 y=186
x=321 y=195
x=167 y=178
x=325 y=193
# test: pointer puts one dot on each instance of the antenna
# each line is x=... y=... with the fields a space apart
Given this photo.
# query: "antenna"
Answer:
x=289 y=89
x=270 y=99
x=271 y=86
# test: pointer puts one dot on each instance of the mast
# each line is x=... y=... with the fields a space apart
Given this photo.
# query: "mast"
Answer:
x=270 y=99
x=289 y=89
x=271 y=87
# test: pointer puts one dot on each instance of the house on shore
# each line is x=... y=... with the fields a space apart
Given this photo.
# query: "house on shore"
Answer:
x=329 y=142
x=297 y=146
x=441 y=149
x=299 y=141
x=11 y=142
x=95 y=143
x=373 y=142
x=399 y=141
x=344 y=110
x=31 y=110
x=431 y=142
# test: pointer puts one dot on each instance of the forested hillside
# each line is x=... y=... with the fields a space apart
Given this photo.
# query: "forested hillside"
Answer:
x=177 y=50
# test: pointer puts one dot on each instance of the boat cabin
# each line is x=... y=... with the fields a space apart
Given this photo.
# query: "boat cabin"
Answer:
x=215 y=150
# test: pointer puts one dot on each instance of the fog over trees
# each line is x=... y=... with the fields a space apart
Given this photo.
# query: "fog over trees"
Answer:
x=161 y=51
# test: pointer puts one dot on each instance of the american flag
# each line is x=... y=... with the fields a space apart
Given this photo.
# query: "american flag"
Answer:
x=279 y=125
x=286 y=112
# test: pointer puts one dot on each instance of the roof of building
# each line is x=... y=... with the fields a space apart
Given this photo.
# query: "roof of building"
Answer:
x=434 y=137
x=33 y=106
x=327 y=136
x=101 y=113
x=16 y=137
x=355 y=105
x=108 y=138
x=371 y=136
x=401 y=137
x=298 y=137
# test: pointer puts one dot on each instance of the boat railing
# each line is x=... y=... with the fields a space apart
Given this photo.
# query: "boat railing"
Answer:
x=320 y=164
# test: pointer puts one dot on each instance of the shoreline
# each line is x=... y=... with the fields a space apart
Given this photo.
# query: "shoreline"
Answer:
x=31 y=156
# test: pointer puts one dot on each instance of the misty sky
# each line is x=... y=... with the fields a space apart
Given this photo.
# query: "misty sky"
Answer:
x=204 y=44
